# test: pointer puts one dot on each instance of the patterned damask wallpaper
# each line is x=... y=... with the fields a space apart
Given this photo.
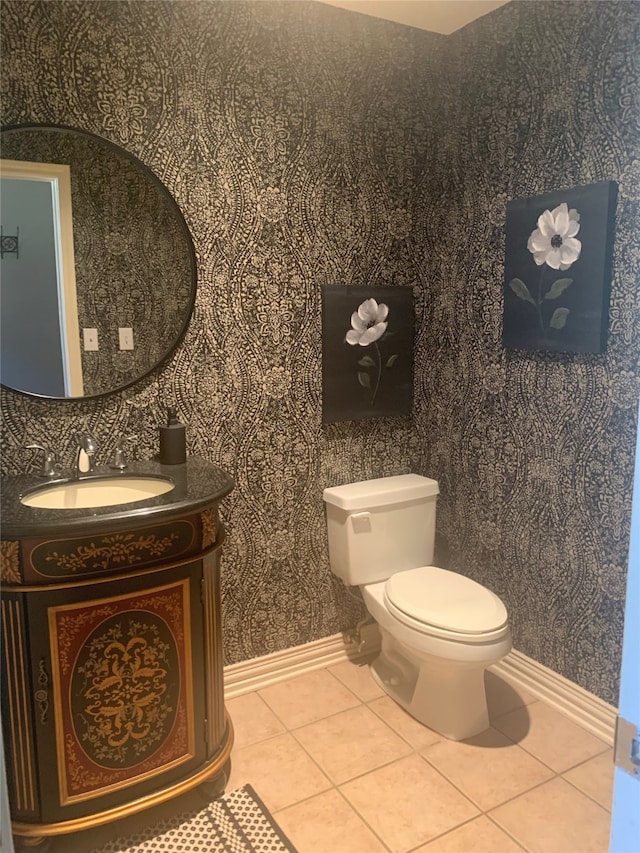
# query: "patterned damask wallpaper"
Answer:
x=308 y=146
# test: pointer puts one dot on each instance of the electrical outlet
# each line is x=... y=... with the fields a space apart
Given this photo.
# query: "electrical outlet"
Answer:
x=126 y=338
x=90 y=340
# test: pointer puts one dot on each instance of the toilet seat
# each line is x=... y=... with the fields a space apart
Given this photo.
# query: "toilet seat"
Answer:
x=445 y=604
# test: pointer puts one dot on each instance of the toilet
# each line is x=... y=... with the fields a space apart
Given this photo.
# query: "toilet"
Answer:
x=439 y=630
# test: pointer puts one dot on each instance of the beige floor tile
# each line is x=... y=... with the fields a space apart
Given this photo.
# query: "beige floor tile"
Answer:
x=417 y=735
x=308 y=697
x=358 y=678
x=595 y=778
x=502 y=696
x=488 y=768
x=408 y=803
x=280 y=771
x=252 y=720
x=327 y=824
x=478 y=836
x=550 y=736
x=556 y=818
x=353 y=742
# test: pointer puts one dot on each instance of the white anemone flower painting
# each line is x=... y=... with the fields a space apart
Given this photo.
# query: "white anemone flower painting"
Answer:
x=554 y=240
x=559 y=250
x=367 y=352
x=367 y=323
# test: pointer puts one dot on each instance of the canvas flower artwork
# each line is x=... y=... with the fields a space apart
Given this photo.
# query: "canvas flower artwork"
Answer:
x=554 y=240
x=368 y=325
x=558 y=269
x=554 y=246
x=367 y=352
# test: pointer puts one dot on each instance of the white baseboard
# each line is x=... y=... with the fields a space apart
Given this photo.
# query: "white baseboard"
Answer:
x=581 y=706
x=584 y=708
x=260 y=672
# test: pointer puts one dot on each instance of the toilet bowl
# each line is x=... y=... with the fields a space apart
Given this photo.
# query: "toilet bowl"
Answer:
x=436 y=671
x=439 y=630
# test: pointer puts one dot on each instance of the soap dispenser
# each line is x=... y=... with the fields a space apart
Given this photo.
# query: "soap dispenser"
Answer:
x=173 y=444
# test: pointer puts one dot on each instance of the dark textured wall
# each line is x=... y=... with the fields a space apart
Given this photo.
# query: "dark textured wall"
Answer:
x=306 y=145
x=535 y=451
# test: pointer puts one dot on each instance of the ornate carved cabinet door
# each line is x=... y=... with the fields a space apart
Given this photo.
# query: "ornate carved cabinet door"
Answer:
x=117 y=681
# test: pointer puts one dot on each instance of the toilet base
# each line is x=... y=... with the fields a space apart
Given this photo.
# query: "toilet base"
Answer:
x=447 y=696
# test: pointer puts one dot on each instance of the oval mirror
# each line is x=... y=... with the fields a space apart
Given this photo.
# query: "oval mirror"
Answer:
x=98 y=269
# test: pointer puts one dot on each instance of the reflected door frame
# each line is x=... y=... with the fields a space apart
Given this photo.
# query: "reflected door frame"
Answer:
x=58 y=176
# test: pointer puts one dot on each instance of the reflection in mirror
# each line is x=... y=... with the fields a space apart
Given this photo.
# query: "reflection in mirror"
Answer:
x=39 y=289
x=135 y=270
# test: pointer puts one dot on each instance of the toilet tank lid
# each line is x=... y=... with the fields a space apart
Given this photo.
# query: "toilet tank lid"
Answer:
x=382 y=492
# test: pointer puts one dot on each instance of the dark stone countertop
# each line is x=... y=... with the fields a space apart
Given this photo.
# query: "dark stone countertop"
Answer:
x=198 y=484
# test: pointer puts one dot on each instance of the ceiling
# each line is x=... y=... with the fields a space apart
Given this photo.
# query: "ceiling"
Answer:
x=438 y=16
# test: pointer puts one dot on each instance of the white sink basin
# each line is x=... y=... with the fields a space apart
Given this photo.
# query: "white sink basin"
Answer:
x=98 y=491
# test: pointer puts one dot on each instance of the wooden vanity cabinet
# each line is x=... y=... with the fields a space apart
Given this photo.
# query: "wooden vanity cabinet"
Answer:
x=112 y=679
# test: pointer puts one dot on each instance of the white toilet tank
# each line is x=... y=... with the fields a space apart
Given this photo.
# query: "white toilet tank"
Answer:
x=379 y=527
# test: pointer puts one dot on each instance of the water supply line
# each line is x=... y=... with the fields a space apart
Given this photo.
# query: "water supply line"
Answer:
x=353 y=636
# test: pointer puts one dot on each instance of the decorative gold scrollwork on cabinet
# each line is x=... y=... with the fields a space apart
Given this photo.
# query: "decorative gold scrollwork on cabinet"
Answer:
x=42 y=693
x=112 y=664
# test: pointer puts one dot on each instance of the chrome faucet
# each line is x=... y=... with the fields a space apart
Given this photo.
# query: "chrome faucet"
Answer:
x=119 y=458
x=50 y=466
x=85 y=463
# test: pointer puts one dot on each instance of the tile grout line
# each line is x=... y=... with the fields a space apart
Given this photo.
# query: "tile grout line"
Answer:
x=414 y=751
x=366 y=703
x=548 y=766
x=365 y=822
x=337 y=790
x=291 y=731
x=481 y=811
x=605 y=746
x=310 y=722
x=336 y=786
x=508 y=833
x=360 y=702
x=358 y=775
x=487 y=812
x=584 y=793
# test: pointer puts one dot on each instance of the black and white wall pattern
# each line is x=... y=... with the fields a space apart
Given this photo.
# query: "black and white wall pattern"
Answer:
x=307 y=145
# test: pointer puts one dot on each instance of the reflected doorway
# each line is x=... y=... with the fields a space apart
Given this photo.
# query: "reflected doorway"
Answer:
x=38 y=304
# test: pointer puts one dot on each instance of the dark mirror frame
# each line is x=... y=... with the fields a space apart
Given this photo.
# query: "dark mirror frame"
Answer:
x=190 y=251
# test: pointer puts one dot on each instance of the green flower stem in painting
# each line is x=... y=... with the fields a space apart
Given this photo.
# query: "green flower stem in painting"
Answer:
x=364 y=377
x=541 y=321
x=375 y=390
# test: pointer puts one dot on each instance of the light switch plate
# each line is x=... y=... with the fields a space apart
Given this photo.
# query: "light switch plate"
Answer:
x=90 y=340
x=126 y=338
